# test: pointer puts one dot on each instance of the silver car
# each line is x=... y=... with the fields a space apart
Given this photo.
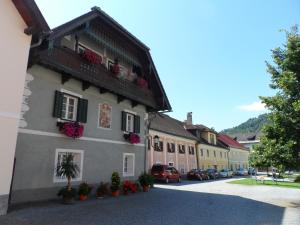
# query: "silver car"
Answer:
x=226 y=173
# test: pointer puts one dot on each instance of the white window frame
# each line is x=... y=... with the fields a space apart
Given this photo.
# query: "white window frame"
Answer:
x=98 y=123
x=128 y=174
x=60 y=150
x=67 y=92
x=75 y=106
x=132 y=122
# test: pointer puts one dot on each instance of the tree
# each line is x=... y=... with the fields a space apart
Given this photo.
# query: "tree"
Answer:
x=68 y=169
x=281 y=141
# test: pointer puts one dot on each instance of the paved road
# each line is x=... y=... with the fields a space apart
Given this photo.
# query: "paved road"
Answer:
x=189 y=203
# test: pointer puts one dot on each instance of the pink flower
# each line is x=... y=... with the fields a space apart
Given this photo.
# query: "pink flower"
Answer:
x=73 y=129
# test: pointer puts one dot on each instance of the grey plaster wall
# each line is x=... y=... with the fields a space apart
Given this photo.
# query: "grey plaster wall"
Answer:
x=3 y=204
x=35 y=154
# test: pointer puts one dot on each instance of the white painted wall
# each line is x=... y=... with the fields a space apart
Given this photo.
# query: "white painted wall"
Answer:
x=14 y=45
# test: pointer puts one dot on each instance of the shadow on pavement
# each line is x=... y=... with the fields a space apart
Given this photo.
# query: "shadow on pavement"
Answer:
x=158 y=207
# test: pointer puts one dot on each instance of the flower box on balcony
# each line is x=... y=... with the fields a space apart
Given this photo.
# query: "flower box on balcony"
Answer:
x=132 y=138
x=92 y=57
x=141 y=82
x=71 y=129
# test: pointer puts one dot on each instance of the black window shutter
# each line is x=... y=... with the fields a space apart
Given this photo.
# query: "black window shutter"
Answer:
x=82 y=110
x=58 y=101
x=137 y=122
x=123 y=122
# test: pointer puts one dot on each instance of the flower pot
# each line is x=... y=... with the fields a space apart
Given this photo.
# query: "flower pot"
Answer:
x=115 y=193
x=68 y=200
x=83 y=197
x=146 y=188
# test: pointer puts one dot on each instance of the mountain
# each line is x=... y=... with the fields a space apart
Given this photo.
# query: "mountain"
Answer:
x=251 y=129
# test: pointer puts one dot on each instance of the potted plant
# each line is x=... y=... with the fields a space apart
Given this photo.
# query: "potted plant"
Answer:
x=145 y=180
x=67 y=168
x=102 y=190
x=115 y=184
x=84 y=190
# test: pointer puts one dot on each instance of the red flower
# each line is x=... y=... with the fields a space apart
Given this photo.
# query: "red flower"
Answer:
x=92 y=57
x=72 y=129
x=134 y=138
x=141 y=82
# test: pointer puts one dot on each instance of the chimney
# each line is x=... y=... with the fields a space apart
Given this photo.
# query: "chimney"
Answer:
x=189 y=119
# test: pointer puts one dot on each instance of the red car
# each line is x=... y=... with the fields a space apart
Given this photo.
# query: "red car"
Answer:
x=165 y=173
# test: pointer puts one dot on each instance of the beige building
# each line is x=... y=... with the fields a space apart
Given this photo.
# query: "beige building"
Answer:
x=19 y=20
x=238 y=154
x=176 y=146
x=210 y=152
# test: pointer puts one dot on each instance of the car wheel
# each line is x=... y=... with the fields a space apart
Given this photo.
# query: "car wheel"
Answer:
x=167 y=180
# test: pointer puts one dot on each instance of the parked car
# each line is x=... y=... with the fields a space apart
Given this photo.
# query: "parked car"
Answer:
x=241 y=172
x=213 y=173
x=226 y=173
x=251 y=171
x=197 y=174
x=165 y=173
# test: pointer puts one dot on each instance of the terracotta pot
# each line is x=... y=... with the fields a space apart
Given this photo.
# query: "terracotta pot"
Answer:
x=146 y=188
x=115 y=193
x=83 y=197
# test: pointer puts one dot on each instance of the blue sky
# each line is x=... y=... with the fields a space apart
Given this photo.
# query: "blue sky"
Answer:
x=210 y=54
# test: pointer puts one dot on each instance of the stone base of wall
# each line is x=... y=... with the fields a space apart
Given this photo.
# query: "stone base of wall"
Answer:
x=3 y=204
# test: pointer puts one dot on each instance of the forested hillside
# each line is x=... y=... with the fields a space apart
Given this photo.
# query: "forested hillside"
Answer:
x=248 y=129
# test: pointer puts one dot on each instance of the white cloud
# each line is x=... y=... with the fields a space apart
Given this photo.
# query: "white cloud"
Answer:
x=253 y=107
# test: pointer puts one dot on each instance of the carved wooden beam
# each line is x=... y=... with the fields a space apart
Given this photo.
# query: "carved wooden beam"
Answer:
x=134 y=103
x=64 y=78
x=120 y=99
x=102 y=90
x=85 y=85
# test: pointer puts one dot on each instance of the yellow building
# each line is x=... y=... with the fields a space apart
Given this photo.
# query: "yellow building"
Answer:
x=176 y=145
x=210 y=152
x=238 y=154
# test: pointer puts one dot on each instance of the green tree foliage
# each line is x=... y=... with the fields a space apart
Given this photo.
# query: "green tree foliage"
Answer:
x=281 y=141
x=248 y=128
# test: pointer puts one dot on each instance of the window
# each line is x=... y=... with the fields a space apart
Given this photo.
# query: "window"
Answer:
x=70 y=106
x=171 y=163
x=201 y=152
x=207 y=153
x=171 y=147
x=215 y=154
x=212 y=138
x=104 y=116
x=161 y=146
x=78 y=160
x=181 y=149
x=221 y=155
x=128 y=164
x=191 y=150
x=130 y=122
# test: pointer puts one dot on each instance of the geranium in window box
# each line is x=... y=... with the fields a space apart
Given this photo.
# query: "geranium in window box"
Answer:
x=141 y=82
x=71 y=129
x=92 y=57
x=133 y=138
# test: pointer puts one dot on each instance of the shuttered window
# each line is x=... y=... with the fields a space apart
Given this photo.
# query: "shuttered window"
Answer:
x=69 y=107
x=130 y=122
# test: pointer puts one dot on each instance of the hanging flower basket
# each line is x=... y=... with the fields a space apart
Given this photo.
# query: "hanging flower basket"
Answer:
x=132 y=138
x=92 y=57
x=141 y=82
x=116 y=69
x=72 y=129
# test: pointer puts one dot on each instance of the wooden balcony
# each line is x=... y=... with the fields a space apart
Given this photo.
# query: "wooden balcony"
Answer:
x=71 y=65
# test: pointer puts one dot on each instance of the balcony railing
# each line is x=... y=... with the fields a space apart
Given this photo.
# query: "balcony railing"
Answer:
x=69 y=62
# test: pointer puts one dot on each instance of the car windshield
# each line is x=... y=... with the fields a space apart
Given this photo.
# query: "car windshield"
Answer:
x=157 y=168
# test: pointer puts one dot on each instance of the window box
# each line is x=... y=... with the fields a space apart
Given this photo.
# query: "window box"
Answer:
x=91 y=57
x=132 y=138
x=71 y=129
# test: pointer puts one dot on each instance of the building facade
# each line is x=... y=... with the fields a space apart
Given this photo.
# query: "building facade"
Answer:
x=238 y=154
x=19 y=21
x=90 y=87
x=176 y=147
